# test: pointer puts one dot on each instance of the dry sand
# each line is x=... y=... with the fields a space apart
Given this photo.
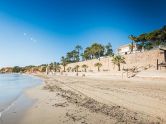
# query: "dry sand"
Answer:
x=76 y=100
x=52 y=108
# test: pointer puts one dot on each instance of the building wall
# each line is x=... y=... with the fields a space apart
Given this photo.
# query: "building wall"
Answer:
x=123 y=50
x=136 y=59
x=126 y=49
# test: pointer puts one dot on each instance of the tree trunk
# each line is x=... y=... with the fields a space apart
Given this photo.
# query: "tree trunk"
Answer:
x=78 y=55
x=132 y=45
x=118 y=67
x=99 y=56
x=64 y=69
x=98 y=69
x=85 y=69
x=77 y=71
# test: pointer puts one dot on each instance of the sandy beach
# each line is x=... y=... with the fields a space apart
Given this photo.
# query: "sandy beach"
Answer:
x=82 y=62
x=76 y=100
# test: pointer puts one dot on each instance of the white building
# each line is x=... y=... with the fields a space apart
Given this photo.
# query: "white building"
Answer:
x=126 y=49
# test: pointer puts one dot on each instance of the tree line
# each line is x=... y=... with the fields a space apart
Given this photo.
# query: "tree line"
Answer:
x=147 y=41
x=96 y=50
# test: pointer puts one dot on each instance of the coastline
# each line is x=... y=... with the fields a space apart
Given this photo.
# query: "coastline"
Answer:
x=68 y=100
x=17 y=110
x=14 y=110
x=60 y=102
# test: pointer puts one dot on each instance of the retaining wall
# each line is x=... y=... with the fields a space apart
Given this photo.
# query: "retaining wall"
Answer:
x=140 y=59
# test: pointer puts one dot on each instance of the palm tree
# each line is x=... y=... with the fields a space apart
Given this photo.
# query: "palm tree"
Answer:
x=85 y=67
x=98 y=65
x=78 y=48
x=88 y=53
x=51 y=65
x=97 y=50
x=64 y=63
x=69 y=56
x=57 y=67
x=75 y=56
x=117 y=60
x=76 y=68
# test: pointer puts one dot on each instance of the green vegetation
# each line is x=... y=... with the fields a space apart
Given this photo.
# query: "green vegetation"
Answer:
x=64 y=63
x=147 y=41
x=52 y=67
x=118 y=60
x=133 y=39
x=76 y=68
x=108 y=50
x=74 y=55
x=84 y=66
x=78 y=48
x=98 y=65
x=57 y=67
x=95 y=51
x=26 y=69
x=17 y=69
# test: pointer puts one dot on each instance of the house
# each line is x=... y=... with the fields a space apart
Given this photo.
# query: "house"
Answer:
x=126 y=49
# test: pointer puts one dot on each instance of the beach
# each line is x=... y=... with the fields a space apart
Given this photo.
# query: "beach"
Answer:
x=82 y=62
x=71 y=99
x=13 y=100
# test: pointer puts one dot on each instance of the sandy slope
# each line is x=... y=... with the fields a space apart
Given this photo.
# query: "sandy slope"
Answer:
x=119 y=101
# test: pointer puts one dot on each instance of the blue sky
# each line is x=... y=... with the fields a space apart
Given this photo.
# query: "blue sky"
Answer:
x=41 y=31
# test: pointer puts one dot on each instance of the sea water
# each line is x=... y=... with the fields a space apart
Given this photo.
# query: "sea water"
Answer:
x=12 y=86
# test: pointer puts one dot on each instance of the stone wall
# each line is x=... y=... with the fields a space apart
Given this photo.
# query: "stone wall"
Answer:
x=144 y=58
x=140 y=59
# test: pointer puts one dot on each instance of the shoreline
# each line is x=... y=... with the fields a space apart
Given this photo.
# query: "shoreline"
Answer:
x=56 y=88
x=59 y=99
x=13 y=111
x=17 y=110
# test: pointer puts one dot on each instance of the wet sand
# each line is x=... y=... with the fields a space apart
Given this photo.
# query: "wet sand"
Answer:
x=17 y=110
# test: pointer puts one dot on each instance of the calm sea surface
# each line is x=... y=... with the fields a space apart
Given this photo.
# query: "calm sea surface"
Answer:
x=12 y=86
